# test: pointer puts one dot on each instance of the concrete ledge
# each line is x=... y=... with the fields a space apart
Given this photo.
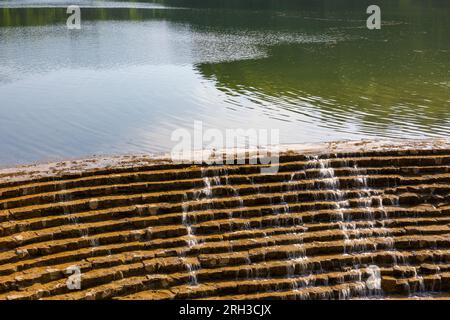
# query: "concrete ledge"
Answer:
x=100 y=163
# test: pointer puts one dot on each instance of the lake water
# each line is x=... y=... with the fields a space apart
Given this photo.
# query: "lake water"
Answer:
x=136 y=71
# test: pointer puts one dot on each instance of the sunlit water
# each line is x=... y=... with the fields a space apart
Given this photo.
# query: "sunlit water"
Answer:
x=136 y=71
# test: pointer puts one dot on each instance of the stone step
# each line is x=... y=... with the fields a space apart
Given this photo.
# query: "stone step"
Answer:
x=75 y=226
x=215 y=222
x=275 y=192
x=337 y=292
x=352 y=219
x=411 y=271
x=417 y=296
x=198 y=185
x=208 y=289
x=148 y=213
x=250 y=286
x=277 y=245
x=348 y=290
x=416 y=284
x=223 y=193
x=220 y=187
x=143 y=228
x=177 y=172
x=51 y=273
x=92 y=275
x=119 y=274
x=12 y=226
x=409 y=225
x=217 y=187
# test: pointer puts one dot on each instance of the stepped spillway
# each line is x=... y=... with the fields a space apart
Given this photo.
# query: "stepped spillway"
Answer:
x=336 y=221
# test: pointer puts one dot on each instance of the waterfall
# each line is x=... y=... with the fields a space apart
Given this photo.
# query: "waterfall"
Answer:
x=186 y=221
x=206 y=193
x=355 y=237
x=65 y=197
x=331 y=182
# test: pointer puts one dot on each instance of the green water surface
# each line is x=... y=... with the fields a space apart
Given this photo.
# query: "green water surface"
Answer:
x=138 y=70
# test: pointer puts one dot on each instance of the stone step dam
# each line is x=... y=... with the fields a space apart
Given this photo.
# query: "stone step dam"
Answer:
x=356 y=220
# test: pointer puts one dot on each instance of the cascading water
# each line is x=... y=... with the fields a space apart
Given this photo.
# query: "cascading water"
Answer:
x=65 y=197
x=331 y=184
x=356 y=237
x=186 y=221
x=359 y=213
x=206 y=193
